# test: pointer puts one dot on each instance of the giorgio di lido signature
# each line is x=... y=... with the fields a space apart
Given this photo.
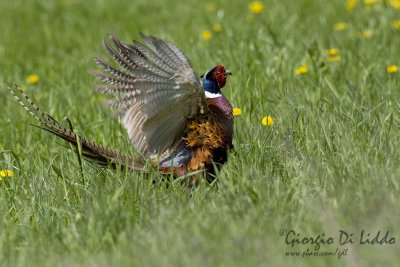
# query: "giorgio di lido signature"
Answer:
x=342 y=238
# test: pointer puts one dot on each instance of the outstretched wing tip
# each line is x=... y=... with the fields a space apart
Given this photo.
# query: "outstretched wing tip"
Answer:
x=157 y=86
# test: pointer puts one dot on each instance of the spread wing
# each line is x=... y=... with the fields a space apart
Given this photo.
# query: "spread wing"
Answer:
x=157 y=91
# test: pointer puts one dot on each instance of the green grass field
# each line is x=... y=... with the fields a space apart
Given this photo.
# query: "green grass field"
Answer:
x=329 y=162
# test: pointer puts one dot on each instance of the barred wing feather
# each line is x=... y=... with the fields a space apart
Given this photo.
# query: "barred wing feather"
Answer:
x=157 y=91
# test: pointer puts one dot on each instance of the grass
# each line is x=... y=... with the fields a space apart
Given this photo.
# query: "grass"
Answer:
x=330 y=161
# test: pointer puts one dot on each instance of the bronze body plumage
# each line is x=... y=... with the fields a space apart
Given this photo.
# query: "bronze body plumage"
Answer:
x=181 y=123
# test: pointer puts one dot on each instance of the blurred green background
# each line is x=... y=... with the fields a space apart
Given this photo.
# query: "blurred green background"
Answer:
x=326 y=72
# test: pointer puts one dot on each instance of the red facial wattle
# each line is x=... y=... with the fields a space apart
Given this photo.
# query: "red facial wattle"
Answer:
x=220 y=75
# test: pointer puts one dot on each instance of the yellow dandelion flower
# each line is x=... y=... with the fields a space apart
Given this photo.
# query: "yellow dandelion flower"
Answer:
x=206 y=35
x=340 y=26
x=267 y=121
x=332 y=52
x=5 y=173
x=211 y=7
x=301 y=70
x=351 y=4
x=217 y=27
x=237 y=112
x=392 y=69
x=396 y=24
x=32 y=79
x=370 y=2
x=336 y=58
x=367 y=33
x=256 y=7
x=395 y=4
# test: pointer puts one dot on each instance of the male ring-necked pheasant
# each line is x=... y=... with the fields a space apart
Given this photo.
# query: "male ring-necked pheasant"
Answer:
x=180 y=121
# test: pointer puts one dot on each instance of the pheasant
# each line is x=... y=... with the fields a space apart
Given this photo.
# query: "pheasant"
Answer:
x=181 y=122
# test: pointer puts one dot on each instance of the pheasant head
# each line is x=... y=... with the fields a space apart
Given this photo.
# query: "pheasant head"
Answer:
x=215 y=79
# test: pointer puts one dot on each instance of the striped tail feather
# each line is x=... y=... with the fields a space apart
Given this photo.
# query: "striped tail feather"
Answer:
x=93 y=152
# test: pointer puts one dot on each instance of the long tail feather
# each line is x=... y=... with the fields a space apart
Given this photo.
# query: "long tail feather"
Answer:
x=93 y=152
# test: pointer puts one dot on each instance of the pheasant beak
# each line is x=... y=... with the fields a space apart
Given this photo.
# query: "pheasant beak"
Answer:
x=227 y=72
